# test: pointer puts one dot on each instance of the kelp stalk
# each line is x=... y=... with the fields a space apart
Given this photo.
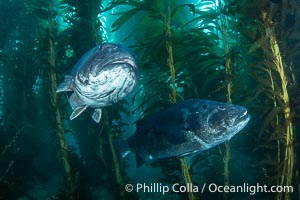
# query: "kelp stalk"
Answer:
x=186 y=175
x=2 y=113
x=71 y=186
x=7 y=147
x=94 y=5
x=298 y=178
x=288 y=154
x=228 y=68
x=170 y=59
x=269 y=72
x=11 y=164
x=101 y=146
x=172 y=96
x=116 y=165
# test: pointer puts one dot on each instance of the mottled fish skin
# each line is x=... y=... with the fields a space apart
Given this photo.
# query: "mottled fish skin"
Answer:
x=103 y=76
x=186 y=129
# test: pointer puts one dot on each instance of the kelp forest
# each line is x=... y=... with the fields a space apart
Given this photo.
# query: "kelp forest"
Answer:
x=241 y=52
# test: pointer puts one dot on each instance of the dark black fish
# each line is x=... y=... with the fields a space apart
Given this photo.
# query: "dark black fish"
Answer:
x=104 y=75
x=186 y=129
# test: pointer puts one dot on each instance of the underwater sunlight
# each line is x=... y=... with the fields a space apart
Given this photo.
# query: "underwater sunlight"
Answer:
x=149 y=99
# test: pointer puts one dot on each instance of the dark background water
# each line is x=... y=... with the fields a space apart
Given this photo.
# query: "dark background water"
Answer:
x=217 y=50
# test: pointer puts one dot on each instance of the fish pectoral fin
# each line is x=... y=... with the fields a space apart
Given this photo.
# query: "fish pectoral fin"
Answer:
x=65 y=86
x=77 y=111
x=75 y=101
x=97 y=115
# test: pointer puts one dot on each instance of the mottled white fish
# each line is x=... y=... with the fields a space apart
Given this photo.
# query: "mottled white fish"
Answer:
x=103 y=76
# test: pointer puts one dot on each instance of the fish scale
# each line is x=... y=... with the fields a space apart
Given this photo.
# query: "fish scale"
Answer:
x=103 y=76
x=186 y=129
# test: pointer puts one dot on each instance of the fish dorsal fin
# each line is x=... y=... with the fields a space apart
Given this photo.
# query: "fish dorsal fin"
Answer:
x=97 y=115
x=77 y=111
x=65 y=86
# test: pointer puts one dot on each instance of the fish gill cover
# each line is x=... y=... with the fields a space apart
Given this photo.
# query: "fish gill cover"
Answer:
x=240 y=52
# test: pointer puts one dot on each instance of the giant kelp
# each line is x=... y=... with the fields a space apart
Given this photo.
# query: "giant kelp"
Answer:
x=183 y=53
x=161 y=13
x=237 y=51
x=271 y=73
x=224 y=62
x=61 y=51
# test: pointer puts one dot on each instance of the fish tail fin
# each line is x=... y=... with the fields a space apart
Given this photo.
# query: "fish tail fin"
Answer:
x=65 y=86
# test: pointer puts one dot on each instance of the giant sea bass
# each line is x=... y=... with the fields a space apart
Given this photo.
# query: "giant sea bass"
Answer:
x=185 y=129
x=103 y=76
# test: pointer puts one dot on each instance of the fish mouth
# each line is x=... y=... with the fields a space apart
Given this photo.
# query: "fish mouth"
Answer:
x=106 y=94
x=240 y=123
x=244 y=118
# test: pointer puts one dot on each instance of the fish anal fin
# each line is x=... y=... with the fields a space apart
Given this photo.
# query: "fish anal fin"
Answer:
x=77 y=111
x=65 y=86
x=97 y=115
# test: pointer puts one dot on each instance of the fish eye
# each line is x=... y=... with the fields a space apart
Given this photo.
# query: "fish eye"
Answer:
x=222 y=107
x=204 y=106
x=101 y=46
